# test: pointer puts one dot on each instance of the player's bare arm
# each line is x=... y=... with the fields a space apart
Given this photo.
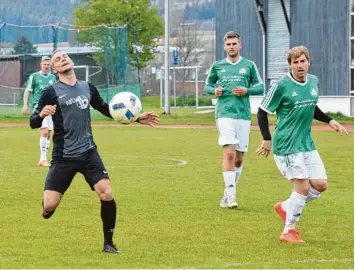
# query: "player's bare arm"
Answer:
x=26 y=95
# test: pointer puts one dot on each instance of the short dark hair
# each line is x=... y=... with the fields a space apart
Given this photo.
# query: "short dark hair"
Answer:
x=231 y=34
x=54 y=52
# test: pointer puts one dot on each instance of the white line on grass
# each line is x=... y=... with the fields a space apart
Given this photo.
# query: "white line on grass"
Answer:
x=280 y=262
x=180 y=162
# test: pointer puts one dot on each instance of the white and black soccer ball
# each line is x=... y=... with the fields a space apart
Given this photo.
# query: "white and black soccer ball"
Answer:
x=125 y=107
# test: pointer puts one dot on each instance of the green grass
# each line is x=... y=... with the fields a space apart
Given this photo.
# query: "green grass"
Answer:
x=178 y=116
x=169 y=215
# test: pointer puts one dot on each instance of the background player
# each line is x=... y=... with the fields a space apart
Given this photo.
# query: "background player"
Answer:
x=236 y=79
x=36 y=84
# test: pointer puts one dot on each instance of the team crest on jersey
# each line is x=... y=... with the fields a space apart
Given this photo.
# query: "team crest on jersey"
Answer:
x=242 y=71
x=314 y=92
x=50 y=82
x=82 y=102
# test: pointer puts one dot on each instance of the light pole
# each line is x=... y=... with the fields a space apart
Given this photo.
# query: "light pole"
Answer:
x=166 y=60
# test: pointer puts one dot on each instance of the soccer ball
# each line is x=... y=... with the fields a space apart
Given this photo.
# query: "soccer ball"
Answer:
x=125 y=107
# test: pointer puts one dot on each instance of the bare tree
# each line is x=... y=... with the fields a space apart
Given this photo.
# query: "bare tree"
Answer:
x=188 y=41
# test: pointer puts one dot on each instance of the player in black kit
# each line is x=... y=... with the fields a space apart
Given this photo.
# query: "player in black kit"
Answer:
x=74 y=150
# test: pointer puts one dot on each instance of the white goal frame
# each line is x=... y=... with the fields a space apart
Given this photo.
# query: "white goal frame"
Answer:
x=174 y=68
x=87 y=70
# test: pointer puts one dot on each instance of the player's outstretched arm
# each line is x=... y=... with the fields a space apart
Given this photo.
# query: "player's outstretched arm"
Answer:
x=26 y=95
x=149 y=118
x=263 y=123
x=321 y=116
x=97 y=102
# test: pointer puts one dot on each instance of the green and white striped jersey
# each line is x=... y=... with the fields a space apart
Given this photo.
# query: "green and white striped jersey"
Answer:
x=294 y=104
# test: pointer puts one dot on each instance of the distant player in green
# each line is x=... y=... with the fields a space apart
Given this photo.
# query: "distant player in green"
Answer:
x=36 y=83
x=294 y=99
x=232 y=80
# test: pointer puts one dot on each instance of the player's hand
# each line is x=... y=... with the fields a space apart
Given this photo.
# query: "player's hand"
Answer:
x=24 y=110
x=339 y=128
x=264 y=149
x=218 y=91
x=240 y=91
x=48 y=110
x=149 y=118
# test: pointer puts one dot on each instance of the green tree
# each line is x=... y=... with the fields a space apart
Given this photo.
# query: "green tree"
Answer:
x=23 y=45
x=138 y=13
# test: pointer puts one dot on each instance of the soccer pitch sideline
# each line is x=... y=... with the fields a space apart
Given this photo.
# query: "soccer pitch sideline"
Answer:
x=168 y=183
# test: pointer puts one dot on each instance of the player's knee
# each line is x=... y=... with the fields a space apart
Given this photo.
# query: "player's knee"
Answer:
x=44 y=133
x=106 y=195
x=238 y=163
x=50 y=205
x=229 y=156
x=103 y=190
x=320 y=185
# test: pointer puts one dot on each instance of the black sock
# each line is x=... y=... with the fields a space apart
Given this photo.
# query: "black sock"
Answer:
x=108 y=216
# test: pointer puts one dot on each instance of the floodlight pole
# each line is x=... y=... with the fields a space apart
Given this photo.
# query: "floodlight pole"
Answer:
x=166 y=60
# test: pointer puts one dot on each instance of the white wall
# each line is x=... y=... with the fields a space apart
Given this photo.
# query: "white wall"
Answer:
x=325 y=103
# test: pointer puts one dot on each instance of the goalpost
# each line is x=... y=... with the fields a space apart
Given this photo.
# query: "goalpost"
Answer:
x=173 y=78
x=84 y=72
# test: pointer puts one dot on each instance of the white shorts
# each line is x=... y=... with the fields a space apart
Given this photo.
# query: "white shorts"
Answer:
x=47 y=122
x=303 y=165
x=233 y=132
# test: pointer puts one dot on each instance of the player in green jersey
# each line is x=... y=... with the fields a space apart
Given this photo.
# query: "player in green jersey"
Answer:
x=294 y=99
x=36 y=83
x=232 y=80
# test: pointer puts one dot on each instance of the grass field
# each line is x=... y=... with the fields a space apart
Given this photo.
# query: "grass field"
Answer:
x=168 y=183
x=184 y=116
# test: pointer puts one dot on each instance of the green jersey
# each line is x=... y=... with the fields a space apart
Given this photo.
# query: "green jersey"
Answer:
x=229 y=75
x=36 y=83
x=294 y=104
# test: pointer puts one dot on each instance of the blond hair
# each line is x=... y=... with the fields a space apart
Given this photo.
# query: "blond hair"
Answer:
x=296 y=52
x=231 y=34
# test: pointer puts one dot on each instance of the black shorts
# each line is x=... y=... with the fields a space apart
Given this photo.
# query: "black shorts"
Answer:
x=62 y=171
